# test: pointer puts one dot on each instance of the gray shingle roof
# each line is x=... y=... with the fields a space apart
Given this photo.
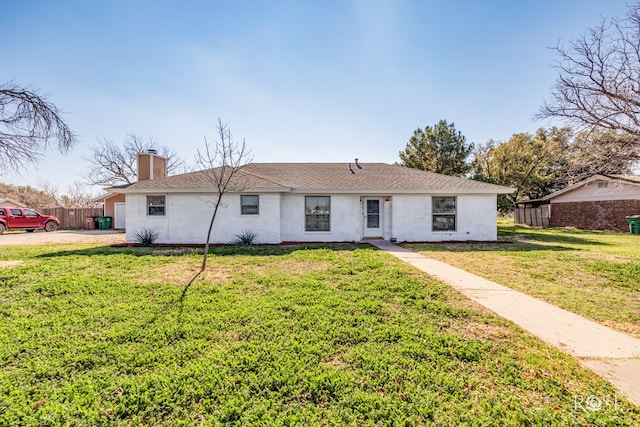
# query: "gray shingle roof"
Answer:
x=323 y=177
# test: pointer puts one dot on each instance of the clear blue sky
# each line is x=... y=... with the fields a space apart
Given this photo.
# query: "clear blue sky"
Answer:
x=301 y=81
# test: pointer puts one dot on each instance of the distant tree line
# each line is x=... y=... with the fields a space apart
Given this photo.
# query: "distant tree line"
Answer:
x=75 y=196
x=534 y=164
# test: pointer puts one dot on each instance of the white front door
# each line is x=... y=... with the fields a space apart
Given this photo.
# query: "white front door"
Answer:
x=119 y=220
x=373 y=217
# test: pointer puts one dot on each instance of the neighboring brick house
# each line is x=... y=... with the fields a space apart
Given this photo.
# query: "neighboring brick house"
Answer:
x=597 y=203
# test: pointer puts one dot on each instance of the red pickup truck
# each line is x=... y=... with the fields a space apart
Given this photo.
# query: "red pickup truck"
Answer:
x=26 y=219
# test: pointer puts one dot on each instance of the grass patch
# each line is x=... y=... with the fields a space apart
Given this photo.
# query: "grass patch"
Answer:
x=595 y=274
x=299 y=335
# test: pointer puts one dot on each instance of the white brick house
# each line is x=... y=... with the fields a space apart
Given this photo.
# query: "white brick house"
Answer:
x=316 y=202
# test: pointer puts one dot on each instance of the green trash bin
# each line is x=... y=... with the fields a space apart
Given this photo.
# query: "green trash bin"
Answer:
x=634 y=224
x=104 y=222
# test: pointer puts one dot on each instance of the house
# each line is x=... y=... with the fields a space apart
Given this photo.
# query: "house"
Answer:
x=314 y=202
x=10 y=203
x=150 y=166
x=113 y=205
x=600 y=202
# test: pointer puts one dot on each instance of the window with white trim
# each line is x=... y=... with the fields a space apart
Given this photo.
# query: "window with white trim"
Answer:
x=156 y=205
x=443 y=213
x=317 y=213
x=249 y=204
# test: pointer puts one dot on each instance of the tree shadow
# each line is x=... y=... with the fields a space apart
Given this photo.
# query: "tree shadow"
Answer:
x=518 y=240
x=556 y=236
x=486 y=247
x=220 y=250
x=176 y=304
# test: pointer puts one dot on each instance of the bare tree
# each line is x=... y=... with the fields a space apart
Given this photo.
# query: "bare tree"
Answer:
x=32 y=197
x=115 y=164
x=598 y=84
x=77 y=196
x=596 y=152
x=28 y=125
x=222 y=163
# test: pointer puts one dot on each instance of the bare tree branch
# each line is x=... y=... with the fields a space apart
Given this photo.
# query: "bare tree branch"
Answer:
x=113 y=164
x=222 y=163
x=598 y=85
x=28 y=125
x=77 y=196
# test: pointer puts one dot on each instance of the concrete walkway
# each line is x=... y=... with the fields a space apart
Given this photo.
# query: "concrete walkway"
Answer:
x=611 y=354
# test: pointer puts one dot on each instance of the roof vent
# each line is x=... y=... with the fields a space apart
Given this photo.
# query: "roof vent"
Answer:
x=358 y=164
x=152 y=151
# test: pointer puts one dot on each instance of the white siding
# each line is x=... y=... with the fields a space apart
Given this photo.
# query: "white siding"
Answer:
x=346 y=220
x=592 y=192
x=411 y=218
x=476 y=217
x=188 y=215
x=282 y=218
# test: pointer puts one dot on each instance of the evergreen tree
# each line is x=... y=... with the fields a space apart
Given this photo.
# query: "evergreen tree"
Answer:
x=439 y=149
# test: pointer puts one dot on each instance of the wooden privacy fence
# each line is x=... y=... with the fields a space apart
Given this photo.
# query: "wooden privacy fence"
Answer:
x=533 y=216
x=71 y=218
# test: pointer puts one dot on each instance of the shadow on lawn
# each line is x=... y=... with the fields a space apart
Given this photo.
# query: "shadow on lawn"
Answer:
x=557 y=236
x=223 y=250
x=486 y=247
x=519 y=240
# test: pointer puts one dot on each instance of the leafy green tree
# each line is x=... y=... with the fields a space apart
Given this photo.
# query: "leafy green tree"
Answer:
x=439 y=149
x=551 y=159
x=528 y=163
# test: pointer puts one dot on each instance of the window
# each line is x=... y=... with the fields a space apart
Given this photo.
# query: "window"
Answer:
x=250 y=205
x=155 y=205
x=15 y=212
x=2 y=213
x=444 y=213
x=317 y=213
x=29 y=212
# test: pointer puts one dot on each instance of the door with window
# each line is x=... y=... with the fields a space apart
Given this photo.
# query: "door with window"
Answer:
x=373 y=217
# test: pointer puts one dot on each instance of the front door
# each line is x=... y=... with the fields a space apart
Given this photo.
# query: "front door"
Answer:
x=372 y=217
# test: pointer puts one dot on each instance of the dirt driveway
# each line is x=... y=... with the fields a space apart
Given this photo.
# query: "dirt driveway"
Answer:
x=40 y=237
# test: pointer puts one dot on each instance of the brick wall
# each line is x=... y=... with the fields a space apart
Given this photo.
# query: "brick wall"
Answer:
x=602 y=215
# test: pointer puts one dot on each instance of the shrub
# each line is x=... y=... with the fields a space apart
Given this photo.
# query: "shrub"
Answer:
x=146 y=236
x=246 y=238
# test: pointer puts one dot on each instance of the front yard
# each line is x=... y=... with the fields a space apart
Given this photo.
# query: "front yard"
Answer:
x=595 y=274
x=283 y=335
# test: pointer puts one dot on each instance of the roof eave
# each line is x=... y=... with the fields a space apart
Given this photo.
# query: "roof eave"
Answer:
x=503 y=190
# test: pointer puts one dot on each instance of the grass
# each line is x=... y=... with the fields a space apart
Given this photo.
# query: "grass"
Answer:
x=595 y=274
x=299 y=335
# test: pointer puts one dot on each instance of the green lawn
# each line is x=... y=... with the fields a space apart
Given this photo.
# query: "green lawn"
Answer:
x=283 y=335
x=596 y=274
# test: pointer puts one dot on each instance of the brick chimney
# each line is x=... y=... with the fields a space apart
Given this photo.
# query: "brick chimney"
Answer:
x=151 y=166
